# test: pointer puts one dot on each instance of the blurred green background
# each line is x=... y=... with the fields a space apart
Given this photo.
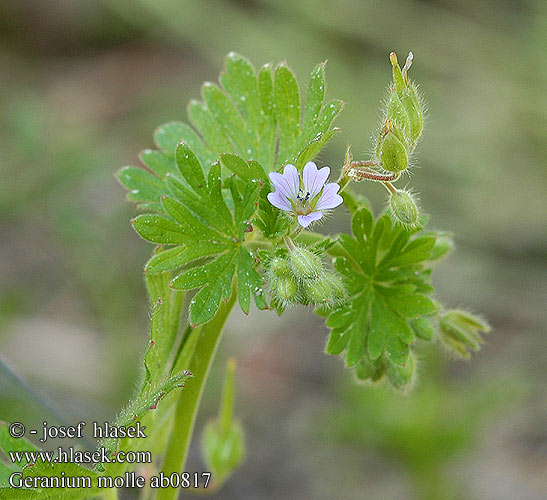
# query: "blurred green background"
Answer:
x=83 y=85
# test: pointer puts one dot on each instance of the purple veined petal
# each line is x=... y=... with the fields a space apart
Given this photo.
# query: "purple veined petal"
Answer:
x=288 y=182
x=306 y=220
x=329 y=197
x=314 y=179
x=280 y=201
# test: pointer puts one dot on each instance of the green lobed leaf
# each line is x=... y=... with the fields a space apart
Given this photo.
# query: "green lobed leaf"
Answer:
x=250 y=171
x=159 y=229
x=209 y=237
x=315 y=97
x=387 y=274
x=159 y=162
x=143 y=185
x=287 y=108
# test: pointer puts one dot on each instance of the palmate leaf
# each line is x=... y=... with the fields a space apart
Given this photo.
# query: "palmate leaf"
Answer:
x=207 y=235
x=387 y=272
x=259 y=116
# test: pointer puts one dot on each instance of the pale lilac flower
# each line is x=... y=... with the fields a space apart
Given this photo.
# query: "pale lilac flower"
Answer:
x=308 y=198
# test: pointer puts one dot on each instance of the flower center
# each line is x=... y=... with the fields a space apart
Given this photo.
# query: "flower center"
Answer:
x=303 y=198
x=303 y=205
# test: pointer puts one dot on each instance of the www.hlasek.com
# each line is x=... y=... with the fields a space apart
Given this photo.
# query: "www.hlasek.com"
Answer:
x=70 y=455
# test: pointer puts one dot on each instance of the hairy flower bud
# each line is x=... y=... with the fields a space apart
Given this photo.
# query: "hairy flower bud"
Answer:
x=304 y=264
x=396 y=111
x=413 y=107
x=285 y=288
x=404 y=208
x=326 y=290
x=317 y=291
x=404 y=105
x=402 y=376
x=279 y=267
x=443 y=245
x=392 y=149
x=460 y=331
x=335 y=283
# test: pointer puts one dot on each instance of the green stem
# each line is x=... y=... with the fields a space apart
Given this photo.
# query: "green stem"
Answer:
x=189 y=400
x=228 y=394
x=390 y=187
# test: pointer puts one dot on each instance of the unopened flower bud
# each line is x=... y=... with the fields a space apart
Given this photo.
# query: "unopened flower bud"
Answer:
x=396 y=111
x=398 y=78
x=304 y=264
x=423 y=328
x=392 y=150
x=402 y=376
x=335 y=283
x=279 y=267
x=404 y=208
x=443 y=245
x=460 y=331
x=405 y=97
x=284 y=288
x=328 y=289
x=317 y=291
x=413 y=107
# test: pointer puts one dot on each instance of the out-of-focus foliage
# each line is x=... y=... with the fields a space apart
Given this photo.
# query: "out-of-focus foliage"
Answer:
x=425 y=431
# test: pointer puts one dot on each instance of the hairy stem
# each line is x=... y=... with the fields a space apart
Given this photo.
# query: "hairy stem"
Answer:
x=208 y=337
x=361 y=170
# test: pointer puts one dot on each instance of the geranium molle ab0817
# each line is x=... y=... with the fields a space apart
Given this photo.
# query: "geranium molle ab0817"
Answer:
x=307 y=198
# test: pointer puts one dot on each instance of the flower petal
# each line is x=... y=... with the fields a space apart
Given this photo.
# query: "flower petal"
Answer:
x=329 y=197
x=288 y=182
x=314 y=179
x=306 y=220
x=280 y=201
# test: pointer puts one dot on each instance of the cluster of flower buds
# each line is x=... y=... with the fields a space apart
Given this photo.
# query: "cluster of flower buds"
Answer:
x=396 y=141
x=460 y=332
x=300 y=278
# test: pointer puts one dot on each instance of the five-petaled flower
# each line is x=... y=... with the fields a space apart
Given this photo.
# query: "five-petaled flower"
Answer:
x=307 y=199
